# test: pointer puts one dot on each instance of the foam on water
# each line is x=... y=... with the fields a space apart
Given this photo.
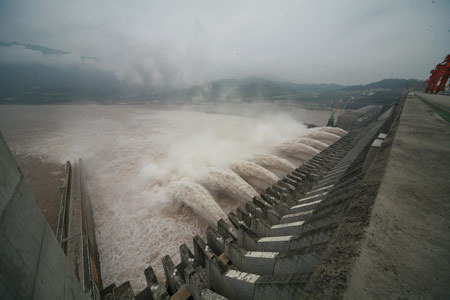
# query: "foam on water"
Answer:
x=198 y=199
x=225 y=181
x=257 y=176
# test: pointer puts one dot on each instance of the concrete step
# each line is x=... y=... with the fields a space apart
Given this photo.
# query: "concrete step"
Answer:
x=334 y=176
x=263 y=229
x=312 y=237
x=274 y=263
x=274 y=244
x=319 y=190
x=326 y=182
x=308 y=199
x=299 y=215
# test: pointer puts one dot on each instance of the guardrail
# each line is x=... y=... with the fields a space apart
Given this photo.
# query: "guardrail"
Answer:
x=61 y=229
x=76 y=230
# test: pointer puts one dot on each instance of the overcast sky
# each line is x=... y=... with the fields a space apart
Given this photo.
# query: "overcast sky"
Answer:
x=189 y=42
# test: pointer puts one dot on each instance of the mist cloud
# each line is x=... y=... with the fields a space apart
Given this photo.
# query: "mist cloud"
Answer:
x=156 y=43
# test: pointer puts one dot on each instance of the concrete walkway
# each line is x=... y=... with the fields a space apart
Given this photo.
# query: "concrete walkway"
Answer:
x=405 y=253
x=443 y=101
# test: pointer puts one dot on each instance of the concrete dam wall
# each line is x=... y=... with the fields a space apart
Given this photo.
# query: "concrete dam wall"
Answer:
x=270 y=247
x=33 y=264
x=304 y=237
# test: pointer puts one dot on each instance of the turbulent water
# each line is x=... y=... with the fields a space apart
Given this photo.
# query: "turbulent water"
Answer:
x=197 y=198
x=311 y=142
x=275 y=164
x=225 y=182
x=156 y=177
x=321 y=135
x=254 y=174
x=298 y=152
x=334 y=130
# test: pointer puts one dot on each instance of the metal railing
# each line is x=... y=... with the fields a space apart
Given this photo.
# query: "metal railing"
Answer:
x=75 y=231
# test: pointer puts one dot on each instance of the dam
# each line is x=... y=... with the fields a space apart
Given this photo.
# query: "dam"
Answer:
x=309 y=213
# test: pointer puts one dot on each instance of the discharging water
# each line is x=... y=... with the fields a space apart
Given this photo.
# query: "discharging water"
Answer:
x=158 y=176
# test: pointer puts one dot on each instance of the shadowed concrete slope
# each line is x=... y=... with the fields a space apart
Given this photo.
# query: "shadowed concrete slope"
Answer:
x=405 y=252
x=33 y=265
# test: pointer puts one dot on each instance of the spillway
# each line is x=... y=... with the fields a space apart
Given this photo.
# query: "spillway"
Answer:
x=275 y=164
x=334 y=130
x=321 y=136
x=297 y=151
x=258 y=177
x=196 y=198
x=137 y=161
x=225 y=181
x=311 y=142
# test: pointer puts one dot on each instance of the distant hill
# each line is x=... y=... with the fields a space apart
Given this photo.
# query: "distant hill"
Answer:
x=252 y=88
x=37 y=83
x=387 y=84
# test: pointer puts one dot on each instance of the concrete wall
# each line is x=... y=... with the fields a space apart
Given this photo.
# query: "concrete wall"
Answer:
x=358 y=118
x=32 y=263
x=404 y=252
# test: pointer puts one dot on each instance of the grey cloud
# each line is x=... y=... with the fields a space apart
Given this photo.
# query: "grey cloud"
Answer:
x=167 y=43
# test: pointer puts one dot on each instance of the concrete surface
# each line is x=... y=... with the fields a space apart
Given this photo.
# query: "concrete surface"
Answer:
x=405 y=252
x=443 y=101
x=32 y=264
x=44 y=180
x=75 y=245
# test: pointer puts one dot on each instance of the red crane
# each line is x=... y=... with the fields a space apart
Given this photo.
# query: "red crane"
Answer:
x=445 y=75
x=439 y=77
x=431 y=80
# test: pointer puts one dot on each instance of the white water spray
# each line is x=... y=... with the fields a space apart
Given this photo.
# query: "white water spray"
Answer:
x=225 y=181
x=334 y=130
x=297 y=151
x=277 y=165
x=311 y=142
x=198 y=199
x=322 y=136
x=133 y=154
x=257 y=176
